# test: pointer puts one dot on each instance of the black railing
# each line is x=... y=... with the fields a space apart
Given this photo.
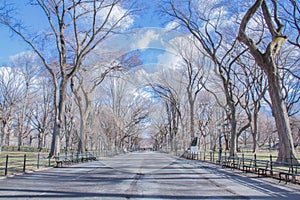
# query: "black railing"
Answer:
x=254 y=163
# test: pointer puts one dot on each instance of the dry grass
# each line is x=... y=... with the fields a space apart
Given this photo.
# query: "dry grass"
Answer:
x=34 y=161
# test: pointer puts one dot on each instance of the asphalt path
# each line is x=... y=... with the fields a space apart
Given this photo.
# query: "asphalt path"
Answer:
x=145 y=175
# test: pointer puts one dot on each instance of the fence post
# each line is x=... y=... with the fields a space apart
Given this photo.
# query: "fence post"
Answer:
x=49 y=161
x=243 y=158
x=24 y=163
x=255 y=162
x=6 y=165
x=271 y=165
x=38 y=161
x=292 y=168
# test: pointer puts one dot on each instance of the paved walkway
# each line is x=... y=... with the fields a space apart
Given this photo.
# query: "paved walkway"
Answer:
x=144 y=175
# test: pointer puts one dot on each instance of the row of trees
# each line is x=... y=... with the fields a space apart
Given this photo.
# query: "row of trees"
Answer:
x=104 y=118
x=245 y=48
x=73 y=36
x=227 y=65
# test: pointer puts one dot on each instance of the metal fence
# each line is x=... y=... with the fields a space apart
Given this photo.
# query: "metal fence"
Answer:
x=15 y=164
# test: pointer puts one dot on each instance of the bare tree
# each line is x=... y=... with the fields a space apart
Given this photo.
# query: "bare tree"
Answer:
x=90 y=78
x=108 y=129
x=194 y=67
x=12 y=92
x=76 y=28
x=267 y=131
x=82 y=89
x=137 y=113
x=290 y=14
x=207 y=119
x=171 y=102
x=288 y=62
x=42 y=116
x=255 y=87
x=295 y=125
x=266 y=60
x=27 y=65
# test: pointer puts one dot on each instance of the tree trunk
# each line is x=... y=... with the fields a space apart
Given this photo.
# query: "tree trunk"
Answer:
x=226 y=143
x=192 y=119
x=233 y=137
x=55 y=138
x=254 y=134
x=8 y=130
x=40 y=141
x=82 y=136
x=279 y=111
x=2 y=131
x=59 y=116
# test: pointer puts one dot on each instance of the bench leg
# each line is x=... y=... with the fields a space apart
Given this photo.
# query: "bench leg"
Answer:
x=58 y=163
x=285 y=175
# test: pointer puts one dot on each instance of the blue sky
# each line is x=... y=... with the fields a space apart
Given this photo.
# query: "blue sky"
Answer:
x=9 y=45
x=12 y=44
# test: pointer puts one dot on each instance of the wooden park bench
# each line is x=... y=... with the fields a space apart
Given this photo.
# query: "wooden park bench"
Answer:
x=246 y=164
x=285 y=171
x=230 y=162
x=91 y=157
x=261 y=167
x=62 y=160
x=84 y=157
x=226 y=162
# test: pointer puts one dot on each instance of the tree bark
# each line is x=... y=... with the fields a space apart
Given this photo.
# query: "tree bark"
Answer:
x=192 y=117
x=255 y=130
x=233 y=145
x=279 y=110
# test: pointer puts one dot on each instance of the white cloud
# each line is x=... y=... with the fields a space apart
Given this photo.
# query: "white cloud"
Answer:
x=4 y=74
x=145 y=39
x=143 y=94
x=24 y=55
x=116 y=16
x=169 y=59
x=171 y=26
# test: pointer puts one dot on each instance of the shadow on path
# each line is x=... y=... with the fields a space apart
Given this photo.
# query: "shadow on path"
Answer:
x=137 y=176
